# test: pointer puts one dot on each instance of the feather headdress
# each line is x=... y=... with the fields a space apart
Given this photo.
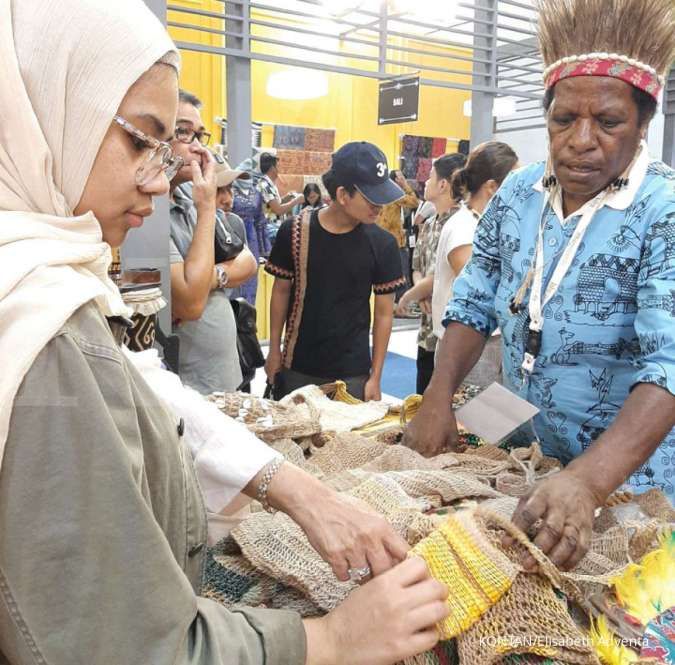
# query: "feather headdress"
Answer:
x=632 y=40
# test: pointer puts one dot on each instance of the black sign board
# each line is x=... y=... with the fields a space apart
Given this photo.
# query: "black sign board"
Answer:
x=399 y=101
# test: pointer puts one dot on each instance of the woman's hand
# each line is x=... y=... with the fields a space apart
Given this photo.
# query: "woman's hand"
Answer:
x=346 y=536
x=389 y=619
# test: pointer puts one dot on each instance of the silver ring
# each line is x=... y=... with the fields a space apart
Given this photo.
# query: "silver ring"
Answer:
x=357 y=574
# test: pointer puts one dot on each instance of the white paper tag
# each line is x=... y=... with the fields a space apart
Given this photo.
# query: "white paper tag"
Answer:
x=412 y=241
x=495 y=414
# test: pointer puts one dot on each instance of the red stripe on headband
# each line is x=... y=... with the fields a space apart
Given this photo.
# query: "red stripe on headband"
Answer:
x=618 y=69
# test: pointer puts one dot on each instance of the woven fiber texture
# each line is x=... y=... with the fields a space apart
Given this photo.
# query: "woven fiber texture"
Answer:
x=447 y=486
x=346 y=451
x=476 y=572
x=335 y=416
x=269 y=420
x=499 y=613
x=400 y=458
x=529 y=619
x=277 y=547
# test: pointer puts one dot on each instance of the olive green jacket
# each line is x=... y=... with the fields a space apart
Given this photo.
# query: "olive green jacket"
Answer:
x=102 y=526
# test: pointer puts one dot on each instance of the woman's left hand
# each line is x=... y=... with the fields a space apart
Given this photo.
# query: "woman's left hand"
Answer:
x=348 y=537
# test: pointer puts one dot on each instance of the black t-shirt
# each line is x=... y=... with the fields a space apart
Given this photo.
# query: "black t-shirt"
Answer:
x=332 y=338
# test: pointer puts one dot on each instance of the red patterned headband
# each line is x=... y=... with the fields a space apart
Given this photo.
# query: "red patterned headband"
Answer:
x=634 y=72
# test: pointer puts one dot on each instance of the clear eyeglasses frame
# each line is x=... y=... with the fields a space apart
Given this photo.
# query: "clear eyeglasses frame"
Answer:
x=160 y=158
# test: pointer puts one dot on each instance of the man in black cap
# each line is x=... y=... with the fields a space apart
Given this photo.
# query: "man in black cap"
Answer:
x=327 y=263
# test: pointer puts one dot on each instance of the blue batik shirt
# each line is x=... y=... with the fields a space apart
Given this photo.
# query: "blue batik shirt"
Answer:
x=610 y=325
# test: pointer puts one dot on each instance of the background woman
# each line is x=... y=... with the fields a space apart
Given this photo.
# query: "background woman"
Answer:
x=313 y=197
x=438 y=191
x=474 y=185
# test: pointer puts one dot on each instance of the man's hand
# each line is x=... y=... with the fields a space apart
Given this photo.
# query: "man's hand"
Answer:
x=566 y=507
x=386 y=621
x=434 y=429
x=372 y=390
x=273 y=364
x=204 y=186
x=425 y=306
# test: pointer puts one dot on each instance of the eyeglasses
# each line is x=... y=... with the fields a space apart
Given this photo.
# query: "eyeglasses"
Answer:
x=185 y=135
x=160 y=158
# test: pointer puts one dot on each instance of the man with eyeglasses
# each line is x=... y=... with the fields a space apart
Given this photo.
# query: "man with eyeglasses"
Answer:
x=200 y=288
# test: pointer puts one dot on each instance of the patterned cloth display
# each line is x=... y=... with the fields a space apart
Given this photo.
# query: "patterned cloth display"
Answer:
x=418 y=154
x=303 y=151
x=289 y=138
x=304 y=138
x=320 y=140
x=438 y=148
x=303 y=162
x=610 y=325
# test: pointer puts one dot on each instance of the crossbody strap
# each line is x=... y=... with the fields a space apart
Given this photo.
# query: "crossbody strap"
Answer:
x=300 y=251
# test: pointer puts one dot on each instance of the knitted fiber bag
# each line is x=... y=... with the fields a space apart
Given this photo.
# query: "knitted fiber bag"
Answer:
x=346 y=451
x=448 y=485
x=475 y=571
x=277 y=547
x=269 y=420
x=529 y=619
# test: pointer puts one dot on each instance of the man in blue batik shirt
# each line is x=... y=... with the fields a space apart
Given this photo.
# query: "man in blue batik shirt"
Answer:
x=595 y=350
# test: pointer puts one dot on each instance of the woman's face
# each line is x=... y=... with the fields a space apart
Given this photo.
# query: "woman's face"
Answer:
x=111 y=192
x=313 y=198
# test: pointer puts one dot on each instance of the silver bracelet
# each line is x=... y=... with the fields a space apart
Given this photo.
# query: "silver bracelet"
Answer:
x=269 y=473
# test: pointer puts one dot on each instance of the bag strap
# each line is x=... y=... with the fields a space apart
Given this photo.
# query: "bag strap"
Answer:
x=300 y=251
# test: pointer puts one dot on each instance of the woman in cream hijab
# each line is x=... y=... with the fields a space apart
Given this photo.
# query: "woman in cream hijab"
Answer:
x=101 y=517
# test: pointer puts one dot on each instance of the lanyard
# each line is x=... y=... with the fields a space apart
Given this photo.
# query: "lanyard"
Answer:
x=537 y=302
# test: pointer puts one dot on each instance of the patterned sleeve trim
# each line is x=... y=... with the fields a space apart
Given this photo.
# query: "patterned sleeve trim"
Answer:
x=389 y=287
x=276 y=271
x=467 y=320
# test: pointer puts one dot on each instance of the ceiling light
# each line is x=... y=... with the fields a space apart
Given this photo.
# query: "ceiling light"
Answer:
x=297 y=84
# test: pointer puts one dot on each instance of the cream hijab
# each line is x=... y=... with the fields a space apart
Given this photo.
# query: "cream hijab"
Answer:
x=65 y=67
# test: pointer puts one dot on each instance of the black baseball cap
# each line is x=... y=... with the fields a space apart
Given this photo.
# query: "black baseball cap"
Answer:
x=364 y=166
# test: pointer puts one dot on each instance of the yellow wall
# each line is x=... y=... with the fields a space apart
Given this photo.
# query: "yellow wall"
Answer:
x=350 y=106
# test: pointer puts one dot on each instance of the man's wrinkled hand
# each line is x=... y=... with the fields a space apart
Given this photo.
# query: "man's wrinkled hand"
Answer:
x=558 y=516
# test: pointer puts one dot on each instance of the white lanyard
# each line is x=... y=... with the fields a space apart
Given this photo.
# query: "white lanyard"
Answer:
x=537 y=304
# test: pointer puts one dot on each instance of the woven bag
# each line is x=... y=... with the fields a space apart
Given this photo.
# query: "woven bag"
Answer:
x=269 y=420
